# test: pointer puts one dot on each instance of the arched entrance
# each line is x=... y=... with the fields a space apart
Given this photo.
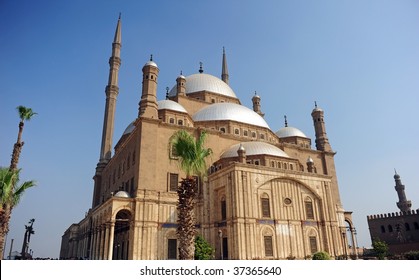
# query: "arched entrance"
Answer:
x=121 y=235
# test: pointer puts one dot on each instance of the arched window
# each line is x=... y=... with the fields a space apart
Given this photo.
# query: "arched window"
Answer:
x=223 y=129
x=390 y=228
x=236 y=131
x=272 y=163
x=172 y=120
x=266 y=209
x=407 y=226
x=268 y=244
x=383 y=229
x=262 y=136
x=313 y=244
x=223 y=209
x=416 y=225
x=309 y=209
x=253 y=134
x=180 y=122
x=245 y=133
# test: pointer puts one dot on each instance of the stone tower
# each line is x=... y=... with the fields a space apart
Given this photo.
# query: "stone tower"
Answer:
x=111 y=92
x=403 y=204
x=322 y=143
x=256 y=105
x=148 y=102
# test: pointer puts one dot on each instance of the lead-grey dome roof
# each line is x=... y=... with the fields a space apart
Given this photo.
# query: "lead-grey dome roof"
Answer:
x=122 y=194
x=170 y=105
x=290 y=131
x=129 y=128
x=229 y=111
x=202 y=81
x=255 y=148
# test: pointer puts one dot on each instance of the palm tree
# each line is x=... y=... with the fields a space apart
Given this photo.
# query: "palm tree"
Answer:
x=25 y=114
x=10 y=195
x=192 y=156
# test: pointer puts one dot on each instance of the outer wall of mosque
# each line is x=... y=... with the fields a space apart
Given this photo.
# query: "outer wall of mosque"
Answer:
x=267 y=195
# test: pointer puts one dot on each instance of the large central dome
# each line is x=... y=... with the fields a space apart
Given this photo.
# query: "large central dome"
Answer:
x=202 y=81
x=231 y=112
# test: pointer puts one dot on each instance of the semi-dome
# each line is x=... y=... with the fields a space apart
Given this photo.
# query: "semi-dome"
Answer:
x=129 y=128
x=170 y=105
x=122 y=194
x=255 y=148
x=202 y=81
x=229 y=111
x=289 y=131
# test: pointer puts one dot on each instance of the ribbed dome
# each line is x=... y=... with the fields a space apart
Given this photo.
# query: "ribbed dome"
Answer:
x=170 y=105
x=254 y=148
x=290 y=131
x=202 y=81
x=229 y=111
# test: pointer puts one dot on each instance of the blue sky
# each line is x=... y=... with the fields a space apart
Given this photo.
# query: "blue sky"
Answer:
x=358 y=59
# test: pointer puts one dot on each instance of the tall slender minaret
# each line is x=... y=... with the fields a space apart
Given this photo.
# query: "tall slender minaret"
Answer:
x=224 y=73
x=322 y=143
x=111 y=91
x=403 y=204
x=148 y=103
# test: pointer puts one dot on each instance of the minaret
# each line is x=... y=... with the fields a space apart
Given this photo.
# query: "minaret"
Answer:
x=148 y=102
x=256 y=104
x=224 y=73
x=322 y=143
x=111 y=91
x=181 y=85
x=403 y=204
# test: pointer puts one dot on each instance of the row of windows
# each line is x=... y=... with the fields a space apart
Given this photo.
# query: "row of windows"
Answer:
x=398 y=227
x=267 y=244
x=126 y=164
x=173 y=182
x=282 y=165
x=266 y=208
x=245 y=133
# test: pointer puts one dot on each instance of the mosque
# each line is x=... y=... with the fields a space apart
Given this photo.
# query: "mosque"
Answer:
x=267 y=195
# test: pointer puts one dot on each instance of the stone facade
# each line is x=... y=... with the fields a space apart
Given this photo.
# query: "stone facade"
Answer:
x=265 y=196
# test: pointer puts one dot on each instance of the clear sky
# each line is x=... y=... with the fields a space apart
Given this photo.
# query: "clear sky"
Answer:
x=358 y=59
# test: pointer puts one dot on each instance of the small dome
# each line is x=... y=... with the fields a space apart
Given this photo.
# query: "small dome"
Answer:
x=122 y=194
x=254 y=148
x=170 y=105
x=310 y=160
x=151 y=63
x=129 y=128
x=202 y=81
x=181 y=77
x=289 y=131
x=229 y=111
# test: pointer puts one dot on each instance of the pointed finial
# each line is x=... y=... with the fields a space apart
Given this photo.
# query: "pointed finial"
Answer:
x=224 y=50
x=151 y=57
x=395 y=172
x=315 y=104
x=286 y=123
x=167 y=93
x=119 y=15
x=181 y=72
x=200 y=67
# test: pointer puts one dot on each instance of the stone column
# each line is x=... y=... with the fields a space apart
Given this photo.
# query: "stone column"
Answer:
x=111 y=236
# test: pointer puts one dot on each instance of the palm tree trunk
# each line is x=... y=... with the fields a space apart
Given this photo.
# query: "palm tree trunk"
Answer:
x=17 y=148
x=186 y=230
x=5 y=213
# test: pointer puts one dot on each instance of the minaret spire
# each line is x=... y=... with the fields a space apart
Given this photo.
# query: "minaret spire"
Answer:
x=111 y=91
x=224 y=72
x=403 y=204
